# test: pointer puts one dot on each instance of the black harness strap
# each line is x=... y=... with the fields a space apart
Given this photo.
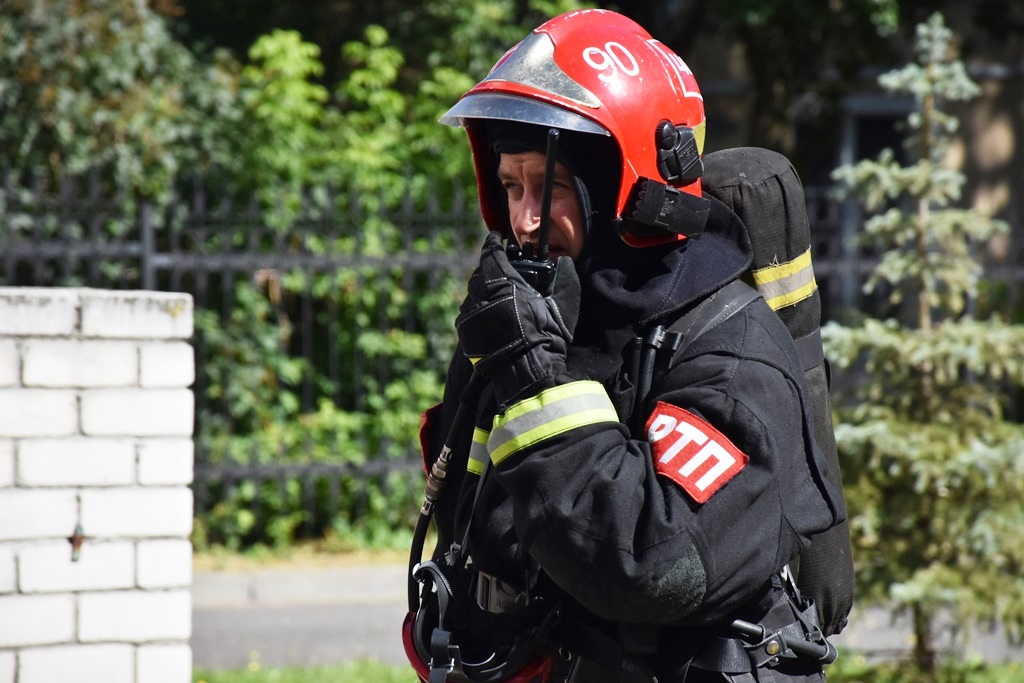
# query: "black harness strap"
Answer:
x=716 y=309
x=810 y=350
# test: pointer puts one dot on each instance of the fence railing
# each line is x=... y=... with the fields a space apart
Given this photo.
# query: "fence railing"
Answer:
x=217 y=249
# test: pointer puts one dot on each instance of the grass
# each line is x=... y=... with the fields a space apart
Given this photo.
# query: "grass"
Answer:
x=355 y=672
x=298 y=556
x=855 y=671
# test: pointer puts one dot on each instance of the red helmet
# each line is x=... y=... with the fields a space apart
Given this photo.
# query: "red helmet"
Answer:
x=599 y=73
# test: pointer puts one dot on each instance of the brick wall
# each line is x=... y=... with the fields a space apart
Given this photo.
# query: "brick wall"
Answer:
x=95 y=435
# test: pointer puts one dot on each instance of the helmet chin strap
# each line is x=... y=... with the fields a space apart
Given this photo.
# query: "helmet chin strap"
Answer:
x=656 y=208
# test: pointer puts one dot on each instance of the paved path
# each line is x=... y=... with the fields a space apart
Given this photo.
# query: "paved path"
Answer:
x=330 y=615
x=298 y=618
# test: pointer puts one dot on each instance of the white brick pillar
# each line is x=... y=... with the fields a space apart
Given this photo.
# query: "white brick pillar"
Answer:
x=95 y=435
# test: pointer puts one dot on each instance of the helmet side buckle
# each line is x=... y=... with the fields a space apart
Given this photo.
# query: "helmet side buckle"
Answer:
x=679 y=159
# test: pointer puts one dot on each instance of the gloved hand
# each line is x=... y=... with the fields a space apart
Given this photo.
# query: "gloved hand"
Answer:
x=516 y=336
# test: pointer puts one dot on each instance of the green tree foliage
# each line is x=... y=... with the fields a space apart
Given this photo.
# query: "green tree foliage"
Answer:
x=375 y=131
x=387 y=373
x=391 y=98
x=388 y=132
x=103 y=86
x=932 y=466
x=285 y=115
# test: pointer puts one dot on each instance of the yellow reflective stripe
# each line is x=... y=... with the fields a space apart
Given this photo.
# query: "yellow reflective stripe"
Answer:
x=698 y=135
x=794 y=297
x=548 y=414
x=478 y=452
x=785 y=284
x=551 y=429
x=779 y=271
x=551 y=396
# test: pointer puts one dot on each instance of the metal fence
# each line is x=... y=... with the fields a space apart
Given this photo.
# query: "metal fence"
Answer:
x=80 y=234
x=210 y=245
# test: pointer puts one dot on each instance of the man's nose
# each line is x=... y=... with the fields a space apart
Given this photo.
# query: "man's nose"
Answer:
x=528 y=217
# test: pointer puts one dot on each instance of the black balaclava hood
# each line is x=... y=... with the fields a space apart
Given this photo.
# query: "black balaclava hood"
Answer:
x=626 y=290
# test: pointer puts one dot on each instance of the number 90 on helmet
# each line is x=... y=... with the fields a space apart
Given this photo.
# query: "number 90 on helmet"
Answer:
x=597 y=72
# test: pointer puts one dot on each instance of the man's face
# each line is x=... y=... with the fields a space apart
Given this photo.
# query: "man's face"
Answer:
x=522 y=175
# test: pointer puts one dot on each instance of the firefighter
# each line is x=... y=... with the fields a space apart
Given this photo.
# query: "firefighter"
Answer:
x=610 y=514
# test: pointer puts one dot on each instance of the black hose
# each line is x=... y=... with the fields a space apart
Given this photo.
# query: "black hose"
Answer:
x=436 y=479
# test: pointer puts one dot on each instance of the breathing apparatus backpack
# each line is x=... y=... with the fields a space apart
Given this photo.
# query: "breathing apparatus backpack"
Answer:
x=763 y=189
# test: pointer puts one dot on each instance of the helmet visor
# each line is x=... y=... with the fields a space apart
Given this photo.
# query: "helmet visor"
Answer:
x=490 y=105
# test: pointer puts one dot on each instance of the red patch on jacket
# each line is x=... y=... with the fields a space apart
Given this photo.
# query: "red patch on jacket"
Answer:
x=691 y=452
x=427 y=422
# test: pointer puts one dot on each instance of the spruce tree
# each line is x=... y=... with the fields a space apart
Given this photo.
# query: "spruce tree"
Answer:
x=932 y=463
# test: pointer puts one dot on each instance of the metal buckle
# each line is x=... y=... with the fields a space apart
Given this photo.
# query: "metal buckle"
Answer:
x=497 y=597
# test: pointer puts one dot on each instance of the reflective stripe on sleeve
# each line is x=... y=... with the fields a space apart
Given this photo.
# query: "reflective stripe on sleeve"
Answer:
x=785 y=284
x=548 y=414
x=478 y=452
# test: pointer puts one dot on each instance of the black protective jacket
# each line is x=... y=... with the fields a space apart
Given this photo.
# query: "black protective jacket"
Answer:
x=587 y=507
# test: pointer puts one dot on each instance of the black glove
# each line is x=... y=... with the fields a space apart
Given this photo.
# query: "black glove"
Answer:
x=516 y=336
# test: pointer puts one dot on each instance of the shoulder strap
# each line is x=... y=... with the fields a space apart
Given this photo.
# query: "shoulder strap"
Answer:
x=664 y=347
x=716 y=309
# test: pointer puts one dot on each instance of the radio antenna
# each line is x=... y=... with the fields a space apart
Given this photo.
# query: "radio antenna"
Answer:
x=544 y=232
